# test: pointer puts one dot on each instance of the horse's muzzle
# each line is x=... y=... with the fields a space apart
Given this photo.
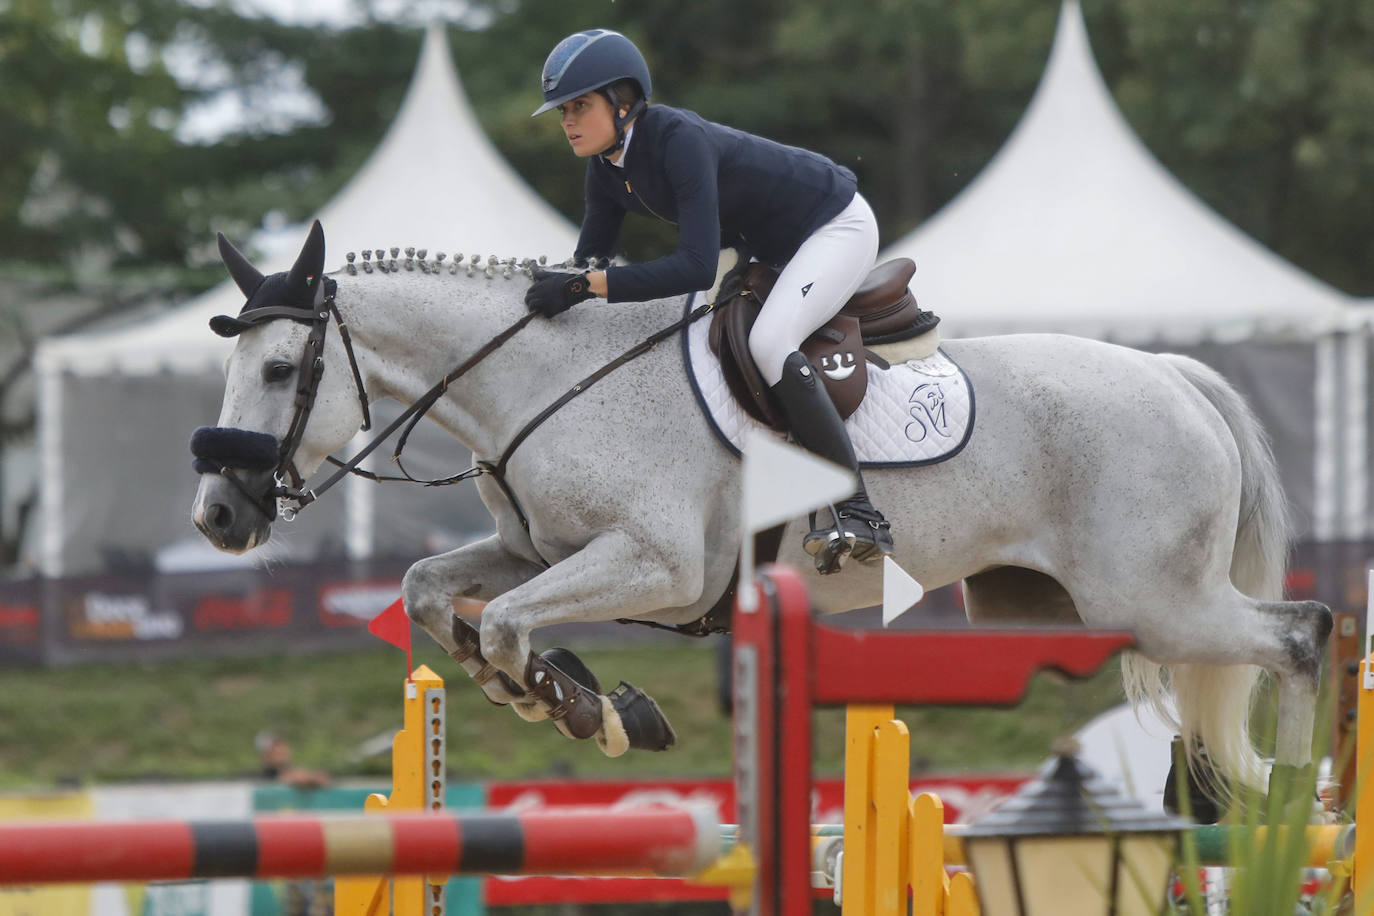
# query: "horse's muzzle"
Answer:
x=228 y=517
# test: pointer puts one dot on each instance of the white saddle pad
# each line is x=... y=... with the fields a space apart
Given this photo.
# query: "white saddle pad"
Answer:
x=917 y=412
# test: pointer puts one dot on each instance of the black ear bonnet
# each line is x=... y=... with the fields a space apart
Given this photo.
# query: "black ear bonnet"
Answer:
x=293 y=289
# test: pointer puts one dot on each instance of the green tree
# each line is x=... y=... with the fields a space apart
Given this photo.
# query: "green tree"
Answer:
x=1265 y=109
x=95 y=176
x=86 y=109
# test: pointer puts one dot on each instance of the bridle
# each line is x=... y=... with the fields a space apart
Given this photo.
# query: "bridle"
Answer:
x=307 y=387
x=312 y=367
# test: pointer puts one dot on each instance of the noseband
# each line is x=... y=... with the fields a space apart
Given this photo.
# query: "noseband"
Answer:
x=221 y=450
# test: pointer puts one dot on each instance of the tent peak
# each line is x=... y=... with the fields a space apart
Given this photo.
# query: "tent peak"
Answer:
x=1075 y=226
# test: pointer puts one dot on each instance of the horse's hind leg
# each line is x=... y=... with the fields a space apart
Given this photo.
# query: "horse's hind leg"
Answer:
x=1206 y=654
x=1302 y=628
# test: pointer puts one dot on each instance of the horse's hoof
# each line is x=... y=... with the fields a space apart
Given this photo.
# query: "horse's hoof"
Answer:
x=646 y=727
x=1203 y=808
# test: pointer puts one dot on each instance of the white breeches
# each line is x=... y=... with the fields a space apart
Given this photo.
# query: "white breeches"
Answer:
x=814 y=285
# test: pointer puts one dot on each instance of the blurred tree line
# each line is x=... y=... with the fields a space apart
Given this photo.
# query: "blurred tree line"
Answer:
x=1265 y=108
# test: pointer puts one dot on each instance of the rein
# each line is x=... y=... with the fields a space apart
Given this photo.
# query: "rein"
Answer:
x=312 y=368
x=414 y=413
x=497 y=469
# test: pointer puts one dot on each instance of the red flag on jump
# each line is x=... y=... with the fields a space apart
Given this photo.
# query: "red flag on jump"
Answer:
x=393 y=625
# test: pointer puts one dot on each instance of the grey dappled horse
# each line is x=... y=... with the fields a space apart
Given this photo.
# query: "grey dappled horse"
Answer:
x=1101 y=484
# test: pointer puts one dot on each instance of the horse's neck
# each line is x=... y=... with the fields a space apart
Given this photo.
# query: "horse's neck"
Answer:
x=413 y=329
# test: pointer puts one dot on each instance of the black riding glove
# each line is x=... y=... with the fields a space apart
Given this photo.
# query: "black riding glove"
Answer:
x=553 y=292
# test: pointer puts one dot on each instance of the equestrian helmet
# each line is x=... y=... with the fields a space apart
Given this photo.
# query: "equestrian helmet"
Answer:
x=591 y=60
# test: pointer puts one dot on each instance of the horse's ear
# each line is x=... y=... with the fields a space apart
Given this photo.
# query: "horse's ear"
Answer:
x=246 y=276
x=310 y=262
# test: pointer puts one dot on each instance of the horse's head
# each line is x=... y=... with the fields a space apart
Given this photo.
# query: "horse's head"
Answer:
x=283 y=410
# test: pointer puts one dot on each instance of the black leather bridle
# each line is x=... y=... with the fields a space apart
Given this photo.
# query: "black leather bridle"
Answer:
x=312 y=367
x=307 y=386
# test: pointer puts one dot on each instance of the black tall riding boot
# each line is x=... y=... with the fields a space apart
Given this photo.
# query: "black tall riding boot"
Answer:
x=856 y=529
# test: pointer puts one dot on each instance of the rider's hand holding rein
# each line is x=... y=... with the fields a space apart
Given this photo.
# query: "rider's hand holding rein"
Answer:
x=553 y=292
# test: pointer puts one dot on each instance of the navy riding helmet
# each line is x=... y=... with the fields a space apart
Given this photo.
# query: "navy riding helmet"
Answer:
x=589 y=62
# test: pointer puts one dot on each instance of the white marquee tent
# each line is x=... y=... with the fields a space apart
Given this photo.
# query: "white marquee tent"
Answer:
x=116 y=409
x=1075 y=227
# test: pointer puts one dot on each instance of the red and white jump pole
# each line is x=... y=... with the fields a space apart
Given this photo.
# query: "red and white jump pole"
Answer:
x=657 y=840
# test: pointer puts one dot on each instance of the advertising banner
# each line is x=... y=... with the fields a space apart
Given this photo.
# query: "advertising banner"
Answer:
x=138 y=618
x=138 y=615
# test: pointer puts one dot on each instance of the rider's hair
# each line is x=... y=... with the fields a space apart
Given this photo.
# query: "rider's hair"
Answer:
x=625 y=92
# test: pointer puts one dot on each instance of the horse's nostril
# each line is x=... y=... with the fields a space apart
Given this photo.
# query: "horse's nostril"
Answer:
x=219 y=516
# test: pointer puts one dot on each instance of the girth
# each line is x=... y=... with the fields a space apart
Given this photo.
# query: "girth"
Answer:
x=719 y=619
x=881 y=311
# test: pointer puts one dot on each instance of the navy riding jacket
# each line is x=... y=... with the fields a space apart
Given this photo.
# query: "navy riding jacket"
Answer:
x=721 y=187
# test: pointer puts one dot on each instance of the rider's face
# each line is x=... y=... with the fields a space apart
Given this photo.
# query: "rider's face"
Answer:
x=588 y=123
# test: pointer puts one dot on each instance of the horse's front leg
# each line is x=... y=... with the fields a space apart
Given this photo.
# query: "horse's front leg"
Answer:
x=614 y=576
x=481 y=570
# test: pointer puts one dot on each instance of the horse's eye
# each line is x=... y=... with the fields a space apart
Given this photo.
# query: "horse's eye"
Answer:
x=277 y=372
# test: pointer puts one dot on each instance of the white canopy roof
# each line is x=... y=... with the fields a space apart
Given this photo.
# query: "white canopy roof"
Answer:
x=434 y=182
x=1074 y=226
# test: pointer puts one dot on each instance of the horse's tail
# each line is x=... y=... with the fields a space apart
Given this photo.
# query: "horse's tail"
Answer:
x=1213 y=702
x=1263 y=533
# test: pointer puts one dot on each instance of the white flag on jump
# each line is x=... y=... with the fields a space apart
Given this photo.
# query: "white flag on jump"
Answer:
x=900 y=591
x=782 y=482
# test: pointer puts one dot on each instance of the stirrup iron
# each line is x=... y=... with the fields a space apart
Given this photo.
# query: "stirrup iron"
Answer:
x=829 y=547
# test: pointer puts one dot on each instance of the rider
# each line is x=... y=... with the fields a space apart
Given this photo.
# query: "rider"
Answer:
x=788 y=207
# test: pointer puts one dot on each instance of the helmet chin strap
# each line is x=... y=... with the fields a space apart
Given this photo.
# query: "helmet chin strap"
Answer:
x=620 y=121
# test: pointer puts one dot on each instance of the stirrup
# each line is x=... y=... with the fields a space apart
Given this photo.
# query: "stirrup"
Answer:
x=828 y=545
x=859 y=531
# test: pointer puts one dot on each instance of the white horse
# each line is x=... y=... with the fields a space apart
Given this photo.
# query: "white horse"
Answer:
x=1101 y=484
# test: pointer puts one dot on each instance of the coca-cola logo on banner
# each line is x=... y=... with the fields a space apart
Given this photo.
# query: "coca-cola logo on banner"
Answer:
x=18 y=625
x=266 y=609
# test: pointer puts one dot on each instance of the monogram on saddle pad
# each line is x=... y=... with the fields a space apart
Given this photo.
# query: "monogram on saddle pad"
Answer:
x=882 y=310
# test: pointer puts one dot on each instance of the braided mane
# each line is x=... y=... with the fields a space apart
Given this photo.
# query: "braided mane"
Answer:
x=380 y=260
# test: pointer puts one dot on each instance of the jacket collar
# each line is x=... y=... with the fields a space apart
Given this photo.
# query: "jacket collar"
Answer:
x=624 y=147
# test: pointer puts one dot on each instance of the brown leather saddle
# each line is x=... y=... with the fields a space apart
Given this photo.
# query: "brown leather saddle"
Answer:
x=882 y=310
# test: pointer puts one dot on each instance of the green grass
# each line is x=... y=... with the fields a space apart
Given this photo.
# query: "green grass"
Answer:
x=198 y=719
